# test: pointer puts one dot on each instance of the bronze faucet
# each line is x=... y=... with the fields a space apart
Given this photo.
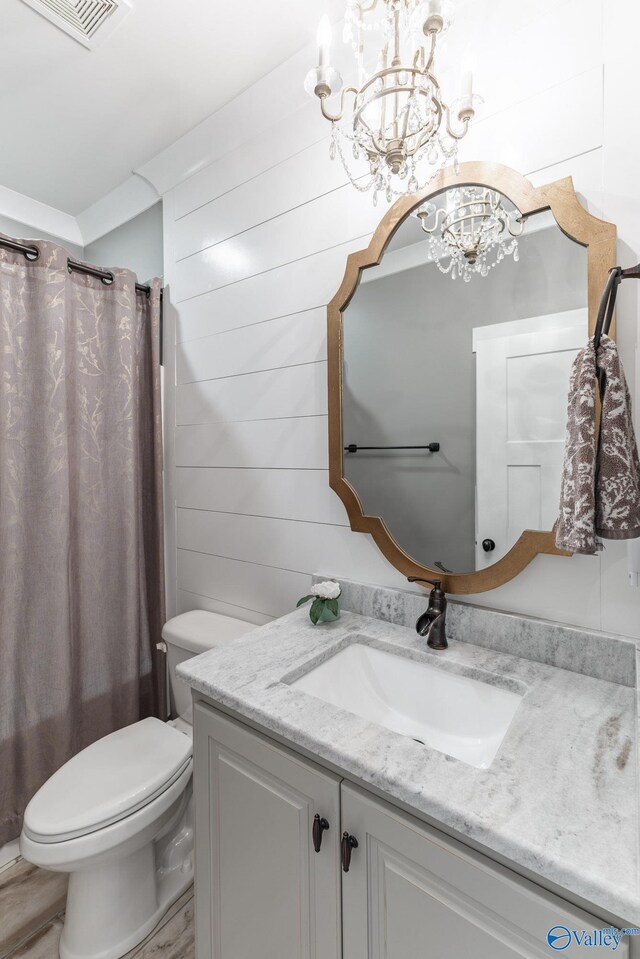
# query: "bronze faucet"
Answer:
x=432 y=623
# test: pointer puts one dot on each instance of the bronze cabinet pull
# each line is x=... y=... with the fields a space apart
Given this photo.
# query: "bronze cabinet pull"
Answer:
x=319 y=826
x=348 y=843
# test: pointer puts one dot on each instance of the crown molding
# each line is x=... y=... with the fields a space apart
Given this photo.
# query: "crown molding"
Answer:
x=117 y=207
x=122 y=204
x=39 y=216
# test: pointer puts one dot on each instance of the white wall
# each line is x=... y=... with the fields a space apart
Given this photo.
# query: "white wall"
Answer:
x=255 y=246
x=22 y=231
x=136 y=245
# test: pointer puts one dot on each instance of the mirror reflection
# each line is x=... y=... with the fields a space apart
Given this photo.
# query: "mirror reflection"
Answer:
x=466 y=294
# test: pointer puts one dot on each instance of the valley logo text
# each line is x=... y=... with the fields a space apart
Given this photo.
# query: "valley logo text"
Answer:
x=560 y=938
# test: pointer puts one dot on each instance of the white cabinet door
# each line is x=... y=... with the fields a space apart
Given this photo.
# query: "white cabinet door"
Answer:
x=412 y=893
x=522 y=383
x=262 y=892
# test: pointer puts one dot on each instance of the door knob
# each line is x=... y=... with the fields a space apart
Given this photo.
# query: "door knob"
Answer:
x=488 y=545
x=348 y=843
x=319 y=826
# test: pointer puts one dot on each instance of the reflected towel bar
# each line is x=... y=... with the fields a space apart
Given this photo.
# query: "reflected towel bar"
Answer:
x=354 y=448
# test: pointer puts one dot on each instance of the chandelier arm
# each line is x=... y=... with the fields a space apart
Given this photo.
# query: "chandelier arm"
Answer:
x=465 y=126
x=432 y=54
x=439 y=216
x=335 y=118
x=520 y=221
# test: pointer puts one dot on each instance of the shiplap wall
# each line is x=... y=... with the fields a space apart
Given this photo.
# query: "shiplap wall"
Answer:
x=255 y=246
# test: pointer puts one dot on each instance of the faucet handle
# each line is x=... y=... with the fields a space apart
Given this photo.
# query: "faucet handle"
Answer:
x=436 y=583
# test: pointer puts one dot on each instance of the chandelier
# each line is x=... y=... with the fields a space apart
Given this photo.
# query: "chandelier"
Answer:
x=395 y=122
x=472 y=232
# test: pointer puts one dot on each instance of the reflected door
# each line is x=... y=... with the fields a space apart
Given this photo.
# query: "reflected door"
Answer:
x=522 y=380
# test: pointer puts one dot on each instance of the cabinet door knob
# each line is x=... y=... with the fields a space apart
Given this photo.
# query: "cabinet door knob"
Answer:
x=348 y=843
x=488 y=545
x=319 y=826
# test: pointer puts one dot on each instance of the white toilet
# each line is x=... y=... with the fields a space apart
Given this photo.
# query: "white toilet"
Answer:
x=118 y=815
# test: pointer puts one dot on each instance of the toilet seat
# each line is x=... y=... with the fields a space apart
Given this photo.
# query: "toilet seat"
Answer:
x=108 y=781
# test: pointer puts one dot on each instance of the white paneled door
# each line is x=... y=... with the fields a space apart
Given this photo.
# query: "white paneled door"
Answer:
x=522 y=380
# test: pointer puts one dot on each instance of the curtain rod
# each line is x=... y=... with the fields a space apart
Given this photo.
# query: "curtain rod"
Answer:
x=32 y=253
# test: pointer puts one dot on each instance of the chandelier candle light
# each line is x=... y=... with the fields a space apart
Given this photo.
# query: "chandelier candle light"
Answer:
x=472 y=233
x=395 y=120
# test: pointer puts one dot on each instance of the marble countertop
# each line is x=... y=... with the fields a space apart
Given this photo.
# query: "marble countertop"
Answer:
x=560 y=798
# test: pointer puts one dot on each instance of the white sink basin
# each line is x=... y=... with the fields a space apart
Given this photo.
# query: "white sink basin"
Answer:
x=457 y=715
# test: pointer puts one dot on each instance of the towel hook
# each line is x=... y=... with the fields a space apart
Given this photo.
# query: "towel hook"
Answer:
x=607 y=305
x=608 y=301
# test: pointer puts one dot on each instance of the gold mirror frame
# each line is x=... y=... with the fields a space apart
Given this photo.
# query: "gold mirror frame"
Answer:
x=599 y=238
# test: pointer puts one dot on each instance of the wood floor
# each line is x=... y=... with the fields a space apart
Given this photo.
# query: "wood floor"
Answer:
x=32 y=913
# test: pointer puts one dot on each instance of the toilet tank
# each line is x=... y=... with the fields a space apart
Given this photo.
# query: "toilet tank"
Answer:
x=187 y=636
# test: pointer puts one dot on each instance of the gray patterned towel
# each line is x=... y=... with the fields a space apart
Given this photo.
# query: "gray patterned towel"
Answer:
x=600 y=493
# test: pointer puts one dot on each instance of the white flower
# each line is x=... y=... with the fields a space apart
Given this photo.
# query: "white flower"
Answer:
x=327 y=590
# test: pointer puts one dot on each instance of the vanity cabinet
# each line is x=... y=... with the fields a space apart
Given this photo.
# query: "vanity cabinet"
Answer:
x=262 y=892
x=410 y=892
x=413 y=892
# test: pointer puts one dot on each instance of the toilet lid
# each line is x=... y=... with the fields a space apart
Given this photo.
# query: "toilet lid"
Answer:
x=199 y=631
x=107 y=781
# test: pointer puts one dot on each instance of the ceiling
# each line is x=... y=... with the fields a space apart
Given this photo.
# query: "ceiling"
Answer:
x=75 y=122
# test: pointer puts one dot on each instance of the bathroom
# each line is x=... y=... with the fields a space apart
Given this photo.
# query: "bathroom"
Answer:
x=258 y=398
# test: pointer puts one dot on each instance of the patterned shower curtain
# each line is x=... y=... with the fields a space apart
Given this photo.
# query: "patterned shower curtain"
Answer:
x=81 y=550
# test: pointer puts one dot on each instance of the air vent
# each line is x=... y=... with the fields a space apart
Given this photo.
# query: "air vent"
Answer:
x=87 y=21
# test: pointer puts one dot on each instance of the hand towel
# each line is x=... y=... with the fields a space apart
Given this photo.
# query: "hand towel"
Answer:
x=600 y=493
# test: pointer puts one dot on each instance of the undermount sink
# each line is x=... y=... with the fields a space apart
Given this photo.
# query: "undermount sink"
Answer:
x=457 y=715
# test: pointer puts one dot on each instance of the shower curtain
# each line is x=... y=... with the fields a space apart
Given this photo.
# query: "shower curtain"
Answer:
x=81 y=550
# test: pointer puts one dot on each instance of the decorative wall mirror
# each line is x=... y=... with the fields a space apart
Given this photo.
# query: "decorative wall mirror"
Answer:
x=450 y=344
